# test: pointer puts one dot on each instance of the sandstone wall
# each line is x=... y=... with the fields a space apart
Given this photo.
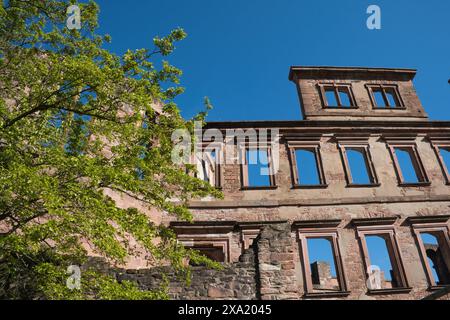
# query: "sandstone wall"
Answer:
x=236 y=281
x=269 y=271
x=264 y=271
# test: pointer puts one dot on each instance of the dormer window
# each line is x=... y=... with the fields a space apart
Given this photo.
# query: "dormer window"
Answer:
x=385 y=97
x=337 y=96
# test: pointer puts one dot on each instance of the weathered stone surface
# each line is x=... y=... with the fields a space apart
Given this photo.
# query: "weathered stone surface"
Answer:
x=268 y=267
x=214 y=292
x=274 y=268
x=257 y=275
x=235 y=281
x=274 y=279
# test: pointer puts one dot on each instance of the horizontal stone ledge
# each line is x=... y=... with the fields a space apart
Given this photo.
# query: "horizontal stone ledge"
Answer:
x=311 y=202
x=420 y=123
x=269 y=267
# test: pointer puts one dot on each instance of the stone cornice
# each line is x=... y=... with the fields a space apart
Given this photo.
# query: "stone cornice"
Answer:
x=306 y=72
x=428 y=219
x=224 y=204
x=335 y=125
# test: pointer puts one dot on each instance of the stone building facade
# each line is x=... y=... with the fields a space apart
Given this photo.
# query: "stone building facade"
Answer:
x=358 y=207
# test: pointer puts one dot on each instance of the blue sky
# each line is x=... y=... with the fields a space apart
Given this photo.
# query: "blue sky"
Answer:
x=430 y=239
x=320 y=250
x=238 y=53
x=379 y=255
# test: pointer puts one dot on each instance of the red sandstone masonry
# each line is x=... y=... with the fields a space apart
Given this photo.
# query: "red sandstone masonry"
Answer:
x=278 y=261
x=269 y=271
x=275 y=254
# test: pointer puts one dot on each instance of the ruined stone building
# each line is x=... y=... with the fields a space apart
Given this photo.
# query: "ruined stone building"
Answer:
x=359 y=207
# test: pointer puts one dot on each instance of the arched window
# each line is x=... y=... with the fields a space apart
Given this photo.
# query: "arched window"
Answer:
x=378 y=250
x=358 y=166
x=437 y=262
x=407 y=165
x=307 y=167
x=322 y=264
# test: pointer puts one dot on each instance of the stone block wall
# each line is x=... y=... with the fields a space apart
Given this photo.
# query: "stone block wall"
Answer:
x=275 y=254
x=235 y=281
x=269 y=270
x=264 y=271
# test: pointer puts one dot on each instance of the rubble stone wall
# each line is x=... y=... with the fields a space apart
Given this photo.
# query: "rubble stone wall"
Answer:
x=264 y=271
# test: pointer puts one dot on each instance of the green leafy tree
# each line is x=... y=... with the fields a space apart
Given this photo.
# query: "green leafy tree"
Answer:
x=76 y=120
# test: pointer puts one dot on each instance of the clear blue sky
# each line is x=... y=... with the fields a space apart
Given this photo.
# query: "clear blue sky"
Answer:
x=238 y=53
x=379 y=255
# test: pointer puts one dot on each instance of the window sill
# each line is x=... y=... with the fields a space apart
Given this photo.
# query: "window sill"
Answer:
x=369 y=185
x=310 y=186
x=328 y=294
x=340 y=107
x=415 y=184
x=438 y=287
x=259 y=188
x=388 y=108
x=389 y=291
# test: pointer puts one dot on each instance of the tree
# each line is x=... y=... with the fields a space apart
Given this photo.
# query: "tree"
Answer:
x=76 y=120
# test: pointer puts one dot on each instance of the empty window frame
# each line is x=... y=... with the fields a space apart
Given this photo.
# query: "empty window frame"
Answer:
x=209 y=251
x=322 y=264
x=337 y=96
x=257 y=168
x=247 y=237
x=443 y=154
x=434 y=246
x=382 y=260
x=208 y=168
x=215 y=248
x=306 y=165
x=207 y=162
x=408 y=165
x=385 y=97
x=358 y=165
